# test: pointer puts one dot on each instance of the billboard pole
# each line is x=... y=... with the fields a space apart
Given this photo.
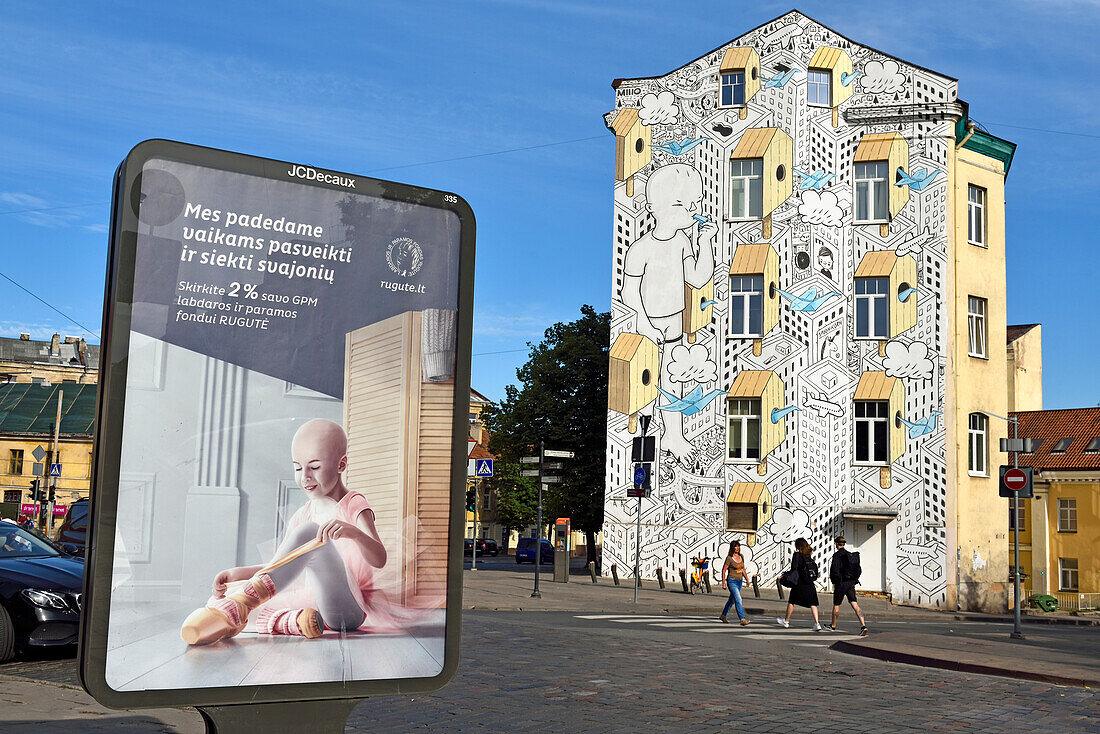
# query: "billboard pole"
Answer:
x=538 y=527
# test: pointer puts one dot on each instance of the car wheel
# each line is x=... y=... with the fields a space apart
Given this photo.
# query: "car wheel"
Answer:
x=7 y=636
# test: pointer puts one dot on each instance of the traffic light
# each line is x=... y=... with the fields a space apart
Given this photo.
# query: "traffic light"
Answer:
x=53 y=492
x=37 y=494
x=471 y=499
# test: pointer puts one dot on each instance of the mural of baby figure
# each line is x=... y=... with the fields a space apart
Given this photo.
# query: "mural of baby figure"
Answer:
x=338 y=573
x=657 y=266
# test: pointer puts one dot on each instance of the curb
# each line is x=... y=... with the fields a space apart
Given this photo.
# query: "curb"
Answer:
x=926 y=661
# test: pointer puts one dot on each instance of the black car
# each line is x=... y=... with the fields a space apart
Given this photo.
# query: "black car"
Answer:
x=485 y=547
x=72 y=536
x=40 y=592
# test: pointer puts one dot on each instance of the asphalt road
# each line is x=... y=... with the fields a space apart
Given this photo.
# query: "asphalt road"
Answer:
x=557 y=671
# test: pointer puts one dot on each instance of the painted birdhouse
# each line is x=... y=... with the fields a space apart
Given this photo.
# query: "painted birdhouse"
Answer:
x=748 y=508
x=829 y=79
x=751 y=434
x=739 y=78
x=753 y=308
x=879 y=434
x=885 y=303
x=878 y=158
x=632 y=151
x=632 y=375
x=760 y=175
x=698 y=308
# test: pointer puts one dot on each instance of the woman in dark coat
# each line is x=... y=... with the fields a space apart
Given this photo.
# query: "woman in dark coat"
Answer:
x=803 y=593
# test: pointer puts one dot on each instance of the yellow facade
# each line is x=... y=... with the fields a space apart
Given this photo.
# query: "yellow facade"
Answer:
x=75 y=457
x=1025 y=368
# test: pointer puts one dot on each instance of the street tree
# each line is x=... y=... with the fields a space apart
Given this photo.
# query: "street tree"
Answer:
x=516 y=497
x=562 y=401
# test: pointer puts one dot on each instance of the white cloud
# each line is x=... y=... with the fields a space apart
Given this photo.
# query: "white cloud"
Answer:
x=787 y=525
x=659 y=109
x=908 y=361
x=821 y=208
x=691 y=364
x=882 y=77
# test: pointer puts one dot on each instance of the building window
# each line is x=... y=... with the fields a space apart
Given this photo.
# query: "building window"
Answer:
x=15 y=462
x=743 y=428
x=733 y=89
x=817 y=88
x=872 y=308
x=747 y=188
x=979 y=445
x=1067 y=515
x=872 y=193
x=13 y=495
x=747 y=306
x=975 y=317
x=976 y=211
x=1067 y=574
x=1019 y=517
x=872 y=436
x=1093 y=446
x=1062 y=446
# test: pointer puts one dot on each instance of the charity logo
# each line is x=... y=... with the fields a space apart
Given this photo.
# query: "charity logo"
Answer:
x=405 y=257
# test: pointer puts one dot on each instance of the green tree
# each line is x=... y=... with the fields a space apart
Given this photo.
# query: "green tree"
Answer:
x=562 y=401
x=516 y=497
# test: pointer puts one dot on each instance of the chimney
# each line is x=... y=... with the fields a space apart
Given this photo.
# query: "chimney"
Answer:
x=24 y=337
x=55 y=345
x=71 y=340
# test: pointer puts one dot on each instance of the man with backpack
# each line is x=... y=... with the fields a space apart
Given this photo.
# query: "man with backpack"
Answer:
x=844 y=572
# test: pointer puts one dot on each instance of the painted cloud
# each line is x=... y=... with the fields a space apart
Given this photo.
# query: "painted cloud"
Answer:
x=882 y=77
x=821 y=208
x=787 y=525
x=909 y=361
x=692 y=364
x=659 y=109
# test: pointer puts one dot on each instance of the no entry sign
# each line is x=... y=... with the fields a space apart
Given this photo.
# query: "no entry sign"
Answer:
x=1016 y=479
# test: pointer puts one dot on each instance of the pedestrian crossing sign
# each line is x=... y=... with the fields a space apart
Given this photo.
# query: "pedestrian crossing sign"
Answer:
x=483 y=468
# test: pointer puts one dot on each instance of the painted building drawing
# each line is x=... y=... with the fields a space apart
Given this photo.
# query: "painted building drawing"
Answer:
x=785 y=218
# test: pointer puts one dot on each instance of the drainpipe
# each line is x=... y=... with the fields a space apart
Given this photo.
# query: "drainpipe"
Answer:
x=970 y=128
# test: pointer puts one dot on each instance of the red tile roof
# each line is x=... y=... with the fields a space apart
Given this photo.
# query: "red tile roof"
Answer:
x=480 y=452
x=1080 y=424
x=1015 y=332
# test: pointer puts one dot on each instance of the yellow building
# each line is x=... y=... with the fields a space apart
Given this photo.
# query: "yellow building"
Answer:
x=1025 y=367
x=62 y=359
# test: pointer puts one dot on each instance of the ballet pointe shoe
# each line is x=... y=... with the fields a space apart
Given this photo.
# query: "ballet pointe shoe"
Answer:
x=226 y=617
x=301 y=622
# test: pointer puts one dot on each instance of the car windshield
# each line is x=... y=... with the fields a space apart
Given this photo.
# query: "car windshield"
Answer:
x=78 y=516
x=526 y=542
x=16 y=543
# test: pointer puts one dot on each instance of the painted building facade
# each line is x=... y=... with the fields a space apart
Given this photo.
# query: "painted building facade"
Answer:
x=808 y=291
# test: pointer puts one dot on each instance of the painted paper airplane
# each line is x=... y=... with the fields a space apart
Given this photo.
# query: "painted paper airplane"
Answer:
x=778 y=413
x=779 y=79
x=847 y=79
x=922 y=427
x=919 y=180
x=674 y=148
x=704 y=304
x=691 y=403
x=808 y=301
x=700 y=219
x=904 y=295
x=815 y=180
x=822 y=406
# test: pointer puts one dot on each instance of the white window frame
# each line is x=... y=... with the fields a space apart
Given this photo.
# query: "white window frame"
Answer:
x=875 y=302
x=976 y=215
x=747 y=189
x=868 y=423
x=872 y=185
x=746 y=295
x=732 y=84
x=978 y=333
x=814 y=79
x=1065 y=573
x=977 y=444
x=744 y=411
x=1067 y=515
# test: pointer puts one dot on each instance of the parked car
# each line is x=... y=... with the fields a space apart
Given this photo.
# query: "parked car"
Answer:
x=487 y=547
x=467 y=547
x=72 y=535
x=525 y=551
x=40 y=592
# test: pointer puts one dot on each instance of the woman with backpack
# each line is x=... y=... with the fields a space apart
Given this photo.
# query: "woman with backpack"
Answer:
x=801 y=577
x=733 y=575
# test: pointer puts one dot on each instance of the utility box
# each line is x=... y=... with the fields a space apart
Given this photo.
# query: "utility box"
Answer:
x=562 y=549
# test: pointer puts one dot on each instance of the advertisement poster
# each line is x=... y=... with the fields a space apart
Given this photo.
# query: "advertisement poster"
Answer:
x=284 y=474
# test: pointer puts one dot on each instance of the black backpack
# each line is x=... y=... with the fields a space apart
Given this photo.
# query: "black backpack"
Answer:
x=849 y=566
x=811 y=569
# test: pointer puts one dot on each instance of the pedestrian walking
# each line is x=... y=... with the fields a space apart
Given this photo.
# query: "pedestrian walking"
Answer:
x=733 y=575
x=844 y=572
x=801 y=577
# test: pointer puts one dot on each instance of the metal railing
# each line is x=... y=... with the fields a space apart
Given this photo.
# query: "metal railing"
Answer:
x=1068 y=601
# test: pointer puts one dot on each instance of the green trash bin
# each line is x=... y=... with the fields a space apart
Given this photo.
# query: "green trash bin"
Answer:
x=1043 y=602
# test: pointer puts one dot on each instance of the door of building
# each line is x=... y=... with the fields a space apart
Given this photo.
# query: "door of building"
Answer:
x=869 y=538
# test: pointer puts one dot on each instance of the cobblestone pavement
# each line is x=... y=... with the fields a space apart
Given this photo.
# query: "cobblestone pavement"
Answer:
x=559 y=672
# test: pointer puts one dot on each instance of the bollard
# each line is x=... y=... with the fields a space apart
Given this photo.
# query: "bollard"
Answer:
x=780 y=587
x=661 y=576
x=615 y=573
x=637 y=577
x=706 y=581
x=592 y=571
x=756 y=585
x=684 y=580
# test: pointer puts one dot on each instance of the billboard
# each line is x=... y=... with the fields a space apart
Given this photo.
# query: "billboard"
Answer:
x=280 y=445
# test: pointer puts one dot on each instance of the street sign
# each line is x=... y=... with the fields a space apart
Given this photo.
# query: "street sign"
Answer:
x=1016 y=480
x=551 y=480
x=529 y=473
x=529 y=460
x=644 y=448
x=36 y=469
x=640 y=475
x=552 y=454
x=552 y=465
x=39 y=454
x=636 y=491
x=470 y=443
x=55 y=470
x=484 y=468
x=1022 y=445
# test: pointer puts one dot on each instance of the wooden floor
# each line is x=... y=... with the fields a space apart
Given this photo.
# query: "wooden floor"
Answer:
x=159 y=659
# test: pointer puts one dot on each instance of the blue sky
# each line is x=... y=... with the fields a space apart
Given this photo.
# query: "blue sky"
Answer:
x=380 y=87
